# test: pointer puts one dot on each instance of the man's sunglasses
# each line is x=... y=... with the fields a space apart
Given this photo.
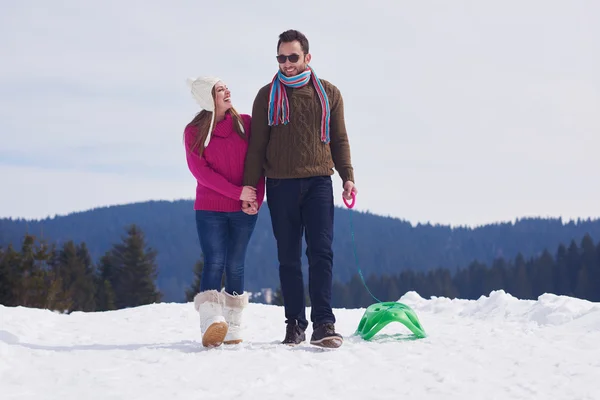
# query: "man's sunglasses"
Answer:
x=292 y=57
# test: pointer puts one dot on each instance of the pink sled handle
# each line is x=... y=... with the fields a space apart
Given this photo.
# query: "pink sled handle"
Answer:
x=351 y=205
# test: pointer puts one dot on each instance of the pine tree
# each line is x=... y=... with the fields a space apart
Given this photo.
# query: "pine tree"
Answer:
x=582 y=288
x=494 y=277
x=85 y=286
x=4 y=278
x=340 y=295
x=190 y=293
x=477 y=274
x=588 y=251
x=109 y=296
x=359 y=294
x=522 y=283
x=406 y=281
x=573 y=264
x=595 y=296
x=542 y=275
x=136 y=271
x=587 y=279
x=434 y=280
x=195 y=288
x=9 y=267
x=57 y=299
x=30 y=288
x=106 y=278
x=448 y=289
x=462 y=281
x=562 y=283
x=391 y=291
x=73 y=268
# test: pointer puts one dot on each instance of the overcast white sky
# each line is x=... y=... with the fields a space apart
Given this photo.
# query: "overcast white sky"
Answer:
x=462 y=112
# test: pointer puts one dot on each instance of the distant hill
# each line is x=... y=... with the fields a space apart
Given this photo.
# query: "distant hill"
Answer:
x=384 y=244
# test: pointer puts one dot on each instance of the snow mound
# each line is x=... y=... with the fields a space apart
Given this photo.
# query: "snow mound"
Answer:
x=551 y=309
x=547 y=310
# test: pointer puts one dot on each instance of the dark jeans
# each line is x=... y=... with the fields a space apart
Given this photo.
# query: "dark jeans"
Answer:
x=224 y=238
x=300 y=206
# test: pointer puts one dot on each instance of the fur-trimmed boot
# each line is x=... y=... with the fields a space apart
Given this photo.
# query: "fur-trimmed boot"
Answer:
x=234 y=306
x=213 y=326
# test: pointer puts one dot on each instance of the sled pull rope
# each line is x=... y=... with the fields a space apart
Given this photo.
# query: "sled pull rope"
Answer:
x=350 y=207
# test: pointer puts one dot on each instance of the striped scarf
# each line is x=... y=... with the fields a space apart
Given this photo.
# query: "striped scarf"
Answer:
x=279 y=106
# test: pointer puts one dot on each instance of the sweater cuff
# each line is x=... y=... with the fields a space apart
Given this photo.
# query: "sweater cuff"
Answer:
x=347 y=174
x=251 y=181
x=238 y=192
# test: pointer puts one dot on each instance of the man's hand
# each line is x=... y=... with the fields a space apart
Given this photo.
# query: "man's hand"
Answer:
x=349 y=188
x=250 y=208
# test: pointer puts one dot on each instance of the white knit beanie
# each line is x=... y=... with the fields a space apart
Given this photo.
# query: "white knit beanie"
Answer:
x=201 y=89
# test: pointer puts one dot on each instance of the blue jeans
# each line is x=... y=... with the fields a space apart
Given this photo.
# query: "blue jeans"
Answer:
x=224 y=238
x=297 y=207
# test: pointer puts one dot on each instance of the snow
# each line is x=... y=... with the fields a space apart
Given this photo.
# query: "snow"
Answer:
x=496 y=347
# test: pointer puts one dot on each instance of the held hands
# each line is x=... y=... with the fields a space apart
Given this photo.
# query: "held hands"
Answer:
x=250 y=207
x=249 y=203
x=248 y=194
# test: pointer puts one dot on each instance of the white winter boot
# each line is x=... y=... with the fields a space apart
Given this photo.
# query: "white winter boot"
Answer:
x=209 y=305
x=234 y=306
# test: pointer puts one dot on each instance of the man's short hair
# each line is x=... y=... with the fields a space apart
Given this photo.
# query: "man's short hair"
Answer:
x=291 y=35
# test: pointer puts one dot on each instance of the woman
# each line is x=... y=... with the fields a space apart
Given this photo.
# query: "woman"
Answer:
x=216 y=142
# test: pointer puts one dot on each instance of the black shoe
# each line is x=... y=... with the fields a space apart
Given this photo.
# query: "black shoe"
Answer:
x=293 y=334
x=324 y=335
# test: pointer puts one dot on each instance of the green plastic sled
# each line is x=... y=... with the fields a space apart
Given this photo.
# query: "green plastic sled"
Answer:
x=378 y=315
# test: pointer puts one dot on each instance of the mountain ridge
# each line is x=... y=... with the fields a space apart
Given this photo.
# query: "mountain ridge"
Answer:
x=384 y=244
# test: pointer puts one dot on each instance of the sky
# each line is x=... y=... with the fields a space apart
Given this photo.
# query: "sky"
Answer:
x=458 y=113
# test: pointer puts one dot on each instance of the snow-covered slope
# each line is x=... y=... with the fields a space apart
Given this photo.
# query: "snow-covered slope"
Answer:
x=497 y=347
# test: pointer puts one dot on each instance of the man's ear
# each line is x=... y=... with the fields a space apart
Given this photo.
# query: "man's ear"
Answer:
x=307 y=58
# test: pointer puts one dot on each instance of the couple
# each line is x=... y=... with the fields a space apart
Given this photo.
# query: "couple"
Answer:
x=294 y=138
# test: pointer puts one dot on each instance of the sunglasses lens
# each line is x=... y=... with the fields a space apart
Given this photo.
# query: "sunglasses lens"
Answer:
x=293 y=58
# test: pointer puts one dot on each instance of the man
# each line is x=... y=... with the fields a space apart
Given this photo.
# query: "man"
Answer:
x=298 y=137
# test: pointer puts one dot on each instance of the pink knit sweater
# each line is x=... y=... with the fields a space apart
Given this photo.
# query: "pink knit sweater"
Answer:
x=220 y=171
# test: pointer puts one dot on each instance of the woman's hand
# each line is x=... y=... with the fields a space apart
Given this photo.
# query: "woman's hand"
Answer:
x=248 y=194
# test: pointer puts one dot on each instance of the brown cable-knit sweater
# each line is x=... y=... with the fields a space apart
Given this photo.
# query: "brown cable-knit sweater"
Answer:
x=295 y=150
